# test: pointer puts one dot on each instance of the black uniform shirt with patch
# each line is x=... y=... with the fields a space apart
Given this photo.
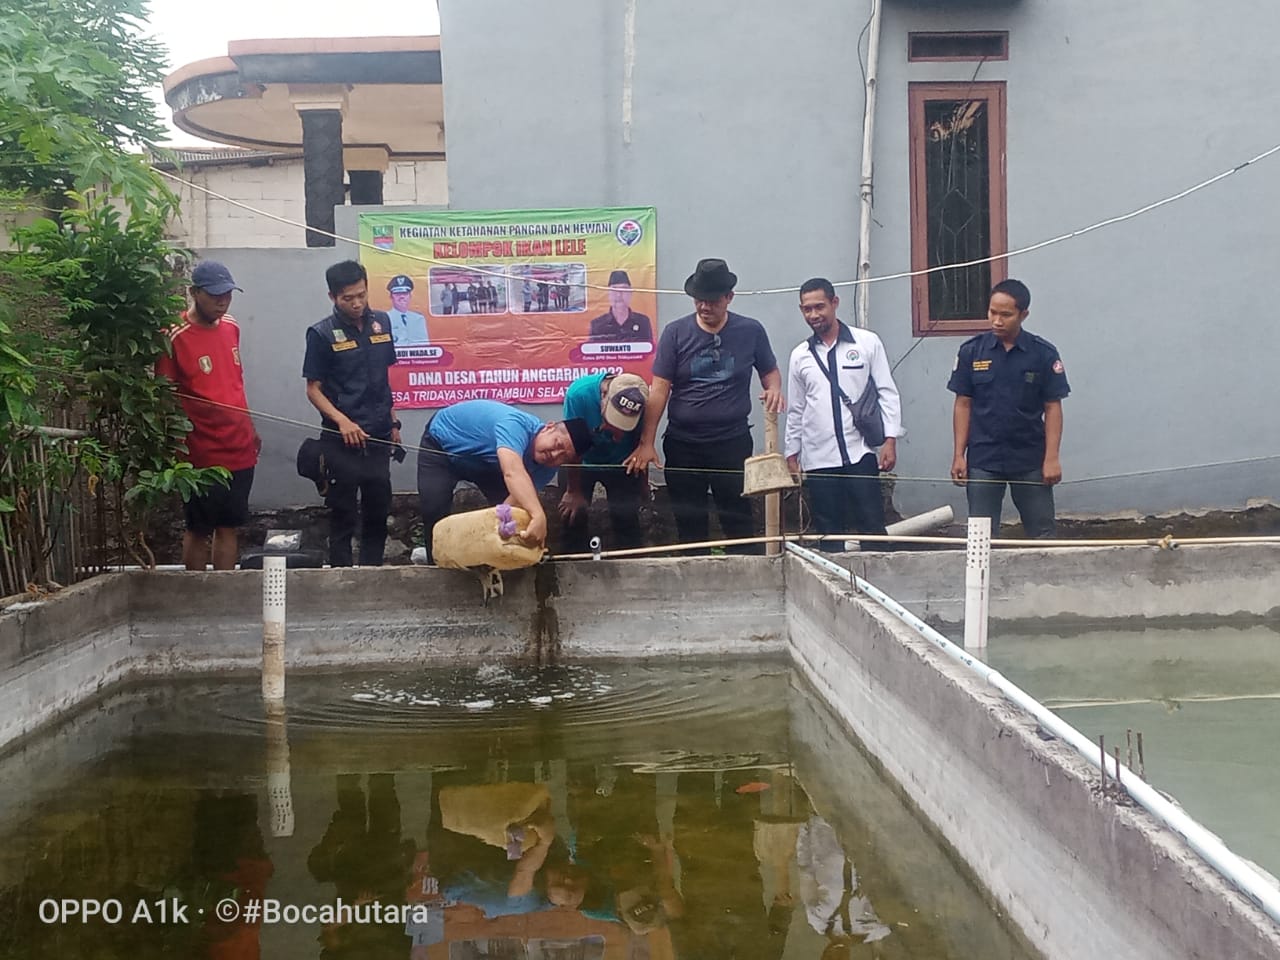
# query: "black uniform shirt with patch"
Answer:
x=351 y=365
x=1009 y=389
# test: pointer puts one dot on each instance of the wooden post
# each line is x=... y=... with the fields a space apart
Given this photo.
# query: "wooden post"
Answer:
x=772 y=501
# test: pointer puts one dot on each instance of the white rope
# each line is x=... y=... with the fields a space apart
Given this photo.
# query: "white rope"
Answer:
x=906 y=274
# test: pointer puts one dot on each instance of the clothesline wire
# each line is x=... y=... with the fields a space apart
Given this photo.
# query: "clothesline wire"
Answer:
x=902 y=275
x=897 y=478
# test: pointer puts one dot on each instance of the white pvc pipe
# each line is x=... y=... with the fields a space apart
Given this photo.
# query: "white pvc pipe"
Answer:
x=866 y=186
x=922 y=522
x=1210 y=848
x=273 y=618
x=913 y=526
x=977 y=583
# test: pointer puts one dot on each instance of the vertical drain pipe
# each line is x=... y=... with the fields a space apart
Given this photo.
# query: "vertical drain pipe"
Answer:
x=628 y=66
x=977 y=583
x=273 y=612
x=862 y=313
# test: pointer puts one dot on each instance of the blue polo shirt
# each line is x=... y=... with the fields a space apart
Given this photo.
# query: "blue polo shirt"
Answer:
x=1009 y=389
x=477 y=428
x=582 y=399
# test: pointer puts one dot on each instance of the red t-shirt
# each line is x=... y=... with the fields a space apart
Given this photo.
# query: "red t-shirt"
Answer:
x=206 y=367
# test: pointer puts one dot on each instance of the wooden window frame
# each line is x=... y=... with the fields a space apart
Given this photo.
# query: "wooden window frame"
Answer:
x=917 y=95
x=962 y=58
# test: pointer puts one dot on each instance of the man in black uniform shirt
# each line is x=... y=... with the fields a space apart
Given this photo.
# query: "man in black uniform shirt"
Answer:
x=1007 y=421
x=348 y=353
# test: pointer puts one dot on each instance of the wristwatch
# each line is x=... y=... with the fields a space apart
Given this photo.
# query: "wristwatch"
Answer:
x=395 y=425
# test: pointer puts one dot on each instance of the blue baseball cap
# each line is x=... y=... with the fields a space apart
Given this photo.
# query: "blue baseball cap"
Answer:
x=212 y=277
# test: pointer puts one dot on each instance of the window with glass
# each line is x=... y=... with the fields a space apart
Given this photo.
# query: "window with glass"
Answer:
x=957 y=203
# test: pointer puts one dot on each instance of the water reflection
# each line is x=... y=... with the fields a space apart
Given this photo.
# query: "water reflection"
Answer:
x=364 y=857
x=550 y=833
x=229 y=857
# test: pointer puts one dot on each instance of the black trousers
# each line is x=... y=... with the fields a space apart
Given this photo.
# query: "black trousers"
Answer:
x=694 y=468
x=625 y=492
x=364 y=472
x=439 y=473
x=846 y=500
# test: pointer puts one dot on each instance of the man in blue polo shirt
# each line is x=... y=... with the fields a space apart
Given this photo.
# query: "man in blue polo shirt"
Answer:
x=1007 y=421
x=612 y=406
x=509 y=454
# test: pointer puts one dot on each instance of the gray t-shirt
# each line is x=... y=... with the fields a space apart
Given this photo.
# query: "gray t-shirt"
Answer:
x=710 y=376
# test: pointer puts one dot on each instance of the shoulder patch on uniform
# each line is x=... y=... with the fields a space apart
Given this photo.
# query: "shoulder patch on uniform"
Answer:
x=1058 y=367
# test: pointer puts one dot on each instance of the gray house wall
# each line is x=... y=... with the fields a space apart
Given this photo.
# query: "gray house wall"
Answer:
x=284 y=293
x=746 y=135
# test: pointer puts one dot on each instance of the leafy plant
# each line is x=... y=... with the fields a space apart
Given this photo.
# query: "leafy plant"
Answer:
x=152 y=487
x=119 y=290
x=74 y=81
x=85 y=300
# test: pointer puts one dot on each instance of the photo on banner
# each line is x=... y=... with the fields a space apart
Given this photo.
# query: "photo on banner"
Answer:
x=518 y=303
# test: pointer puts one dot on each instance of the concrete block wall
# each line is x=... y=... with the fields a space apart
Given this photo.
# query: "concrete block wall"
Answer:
x=59 y=653
x=277 y=188
x=1079 y=874
x=1141 y=585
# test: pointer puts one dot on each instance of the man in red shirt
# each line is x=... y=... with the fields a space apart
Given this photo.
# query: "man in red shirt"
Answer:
x=204 y=362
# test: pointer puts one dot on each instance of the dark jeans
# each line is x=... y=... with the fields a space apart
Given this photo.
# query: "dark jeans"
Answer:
x=625 y=492
x=846 y=500
x=691 y=469
x=363 y=471
x=439 y=473
x=1031 y=496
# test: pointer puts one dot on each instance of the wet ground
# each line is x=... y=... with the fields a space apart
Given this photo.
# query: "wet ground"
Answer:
x=1206 y=700
x=693 y=811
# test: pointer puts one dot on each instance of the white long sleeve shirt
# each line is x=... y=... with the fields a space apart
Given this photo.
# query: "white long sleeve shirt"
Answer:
x=817 y=419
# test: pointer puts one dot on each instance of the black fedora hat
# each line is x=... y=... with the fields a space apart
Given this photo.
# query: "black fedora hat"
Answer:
x=710 y=280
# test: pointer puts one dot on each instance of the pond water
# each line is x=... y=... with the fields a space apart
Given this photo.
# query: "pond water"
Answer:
x=1206 y=700
x=592 y=811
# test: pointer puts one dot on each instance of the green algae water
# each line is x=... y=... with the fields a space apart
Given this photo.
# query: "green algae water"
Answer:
x=696 y=811
x=1206 y=700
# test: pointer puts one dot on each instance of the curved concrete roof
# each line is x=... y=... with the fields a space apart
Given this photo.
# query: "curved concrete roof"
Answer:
x=390 y=88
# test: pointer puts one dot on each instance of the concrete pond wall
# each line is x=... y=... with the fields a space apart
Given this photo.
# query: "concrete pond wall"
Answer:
x=1079 y=873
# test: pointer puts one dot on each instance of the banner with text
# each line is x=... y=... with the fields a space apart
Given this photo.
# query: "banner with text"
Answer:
x=512 y=305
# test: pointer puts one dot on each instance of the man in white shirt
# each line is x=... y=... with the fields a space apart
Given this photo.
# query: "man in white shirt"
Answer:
x=842 y=471
x=408 y=327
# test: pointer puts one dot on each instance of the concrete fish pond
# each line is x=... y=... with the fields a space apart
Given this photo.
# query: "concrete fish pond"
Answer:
x=675 y=752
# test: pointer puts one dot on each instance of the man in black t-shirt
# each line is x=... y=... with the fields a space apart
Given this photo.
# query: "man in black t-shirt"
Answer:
x=702 y=379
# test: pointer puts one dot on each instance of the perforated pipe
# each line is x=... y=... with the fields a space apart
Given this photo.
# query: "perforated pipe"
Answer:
x=274 y=570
